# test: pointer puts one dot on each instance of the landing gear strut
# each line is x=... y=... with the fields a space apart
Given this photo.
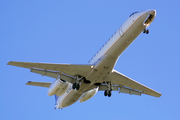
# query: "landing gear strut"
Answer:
x=108 y=92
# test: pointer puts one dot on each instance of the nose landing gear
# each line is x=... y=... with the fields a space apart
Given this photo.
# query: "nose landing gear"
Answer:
x=146 y=31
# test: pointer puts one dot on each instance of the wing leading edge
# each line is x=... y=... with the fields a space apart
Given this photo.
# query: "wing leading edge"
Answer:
x=119 y=79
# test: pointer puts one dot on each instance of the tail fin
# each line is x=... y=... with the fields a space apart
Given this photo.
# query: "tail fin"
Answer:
x=56 y=97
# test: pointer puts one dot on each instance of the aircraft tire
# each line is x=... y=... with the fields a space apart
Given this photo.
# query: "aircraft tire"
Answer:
x=144 y=31
x=147 y=31
x=109 y=94
x=105 y=93
x=74 y=86
x=77 y=86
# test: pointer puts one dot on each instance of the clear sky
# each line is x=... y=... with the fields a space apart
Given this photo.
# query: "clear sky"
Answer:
x=72 y=32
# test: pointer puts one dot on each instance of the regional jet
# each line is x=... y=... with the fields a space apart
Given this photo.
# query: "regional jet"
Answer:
x=75 y=82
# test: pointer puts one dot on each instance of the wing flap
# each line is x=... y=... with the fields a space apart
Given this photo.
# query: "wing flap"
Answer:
x=129 y=91
x=104 y=87
x=53 y=74
x=121 y=90
x=122 y=80
x=40 y=84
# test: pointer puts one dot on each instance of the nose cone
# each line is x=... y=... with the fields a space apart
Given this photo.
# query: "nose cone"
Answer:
x=152 y=12
x=150 y=16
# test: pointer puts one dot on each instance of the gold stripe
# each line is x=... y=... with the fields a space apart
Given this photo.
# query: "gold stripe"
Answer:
x=66 y=97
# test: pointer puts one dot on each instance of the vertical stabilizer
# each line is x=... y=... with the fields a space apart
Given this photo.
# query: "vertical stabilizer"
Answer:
x=56 y=98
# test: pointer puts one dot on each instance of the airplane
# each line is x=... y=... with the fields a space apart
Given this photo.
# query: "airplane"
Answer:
x=75 y=82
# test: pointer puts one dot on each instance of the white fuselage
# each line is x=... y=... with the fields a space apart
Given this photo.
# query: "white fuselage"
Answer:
x=105 y=59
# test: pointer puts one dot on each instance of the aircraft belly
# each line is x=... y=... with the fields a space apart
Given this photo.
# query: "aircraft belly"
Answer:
x=102 y=69
x=70 y=98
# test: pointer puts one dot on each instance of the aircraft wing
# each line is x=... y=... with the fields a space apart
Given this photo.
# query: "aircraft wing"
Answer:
x=53 y=70
x=121 y=80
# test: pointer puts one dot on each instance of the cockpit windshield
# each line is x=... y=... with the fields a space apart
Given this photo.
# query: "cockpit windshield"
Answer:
x=133 y=13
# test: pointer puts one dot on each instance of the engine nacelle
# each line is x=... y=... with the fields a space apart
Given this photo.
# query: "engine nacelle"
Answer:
x=89 y=94
x=58 y=87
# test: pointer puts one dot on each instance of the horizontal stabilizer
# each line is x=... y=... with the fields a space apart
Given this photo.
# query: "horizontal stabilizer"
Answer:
x=40 y=84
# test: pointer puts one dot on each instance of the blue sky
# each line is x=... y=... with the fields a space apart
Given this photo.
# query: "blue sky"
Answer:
x=72 y=32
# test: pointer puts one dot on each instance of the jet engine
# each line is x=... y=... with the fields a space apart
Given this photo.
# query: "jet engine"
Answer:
x=89 y=94
x=58 y=87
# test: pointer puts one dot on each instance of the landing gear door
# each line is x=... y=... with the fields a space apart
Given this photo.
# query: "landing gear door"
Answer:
x=120 y=31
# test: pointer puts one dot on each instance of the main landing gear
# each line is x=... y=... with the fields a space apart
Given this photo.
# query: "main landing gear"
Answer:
x=76 y=86
x=108 y=92
x=78 y=81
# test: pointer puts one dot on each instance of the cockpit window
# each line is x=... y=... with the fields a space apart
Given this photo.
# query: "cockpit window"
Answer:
x=133 y=13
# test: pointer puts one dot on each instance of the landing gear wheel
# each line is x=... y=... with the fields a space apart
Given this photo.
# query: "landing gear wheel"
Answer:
x=105 y=93
x=77 y=86
x=144 y=31
x=110 y=93
x=147 y=31
x=74 y=86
